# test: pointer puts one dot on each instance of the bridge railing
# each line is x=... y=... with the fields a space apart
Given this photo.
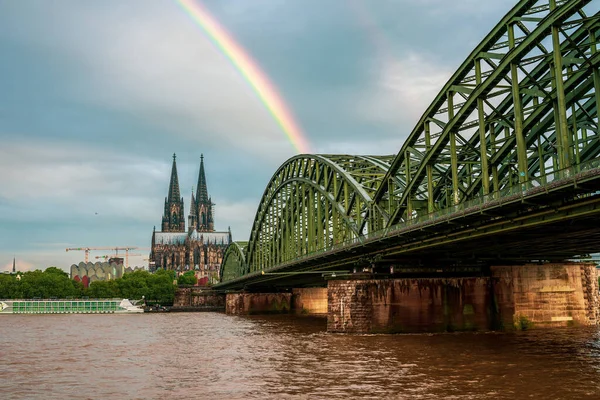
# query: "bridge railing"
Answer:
x=519 y=191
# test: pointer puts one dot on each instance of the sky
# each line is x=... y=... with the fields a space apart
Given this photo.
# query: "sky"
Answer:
x=95 y=97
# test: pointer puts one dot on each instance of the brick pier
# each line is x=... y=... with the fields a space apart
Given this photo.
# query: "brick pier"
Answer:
x=512 y=297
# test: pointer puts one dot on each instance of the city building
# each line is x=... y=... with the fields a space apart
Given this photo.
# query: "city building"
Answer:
x=89 y=272
x=201 y=248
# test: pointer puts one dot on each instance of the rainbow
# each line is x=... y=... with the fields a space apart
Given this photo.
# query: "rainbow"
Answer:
x=251 y=72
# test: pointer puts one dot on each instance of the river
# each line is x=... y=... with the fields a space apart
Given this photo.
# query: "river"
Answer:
x=215 y=356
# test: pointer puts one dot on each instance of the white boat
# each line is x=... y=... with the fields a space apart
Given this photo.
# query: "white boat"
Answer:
x=70 y=306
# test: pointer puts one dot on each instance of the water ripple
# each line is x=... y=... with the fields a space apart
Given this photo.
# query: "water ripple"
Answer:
x=214 y=356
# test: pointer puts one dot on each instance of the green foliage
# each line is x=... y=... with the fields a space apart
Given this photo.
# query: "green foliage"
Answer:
x=155 y=288
x=134 y=285
x=9 y=287
x=50 y=283
x=53 y=282
x=160 y=288
x=103 y=290
x=55 y=270
x=170 y=273
x=187 y=278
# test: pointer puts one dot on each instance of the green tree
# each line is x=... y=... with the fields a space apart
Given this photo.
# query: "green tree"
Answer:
x=10 y=287
x=52 y=283
x=168 y=272
x=157 y=287
x=57 y=271
x=161 y=287
x=78 y=287
x=103 y=290
x=133 y=285
x=187 y=278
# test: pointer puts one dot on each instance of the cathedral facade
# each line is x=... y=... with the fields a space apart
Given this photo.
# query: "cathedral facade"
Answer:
x=200 y=248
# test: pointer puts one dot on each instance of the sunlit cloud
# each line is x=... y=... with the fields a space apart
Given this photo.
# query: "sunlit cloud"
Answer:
x=409 y=85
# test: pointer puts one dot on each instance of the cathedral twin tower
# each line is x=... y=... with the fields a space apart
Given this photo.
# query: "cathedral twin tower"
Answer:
x=201 y=248
x=201 y=208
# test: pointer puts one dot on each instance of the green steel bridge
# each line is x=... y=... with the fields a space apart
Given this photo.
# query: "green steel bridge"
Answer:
x=503 y=167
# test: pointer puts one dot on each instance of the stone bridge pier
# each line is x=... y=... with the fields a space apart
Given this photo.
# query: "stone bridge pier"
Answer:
x=505 y=298
x=511 y=297
x=301 y=301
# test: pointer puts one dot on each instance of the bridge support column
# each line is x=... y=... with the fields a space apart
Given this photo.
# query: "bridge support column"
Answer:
x=302 y=301
x=409 y=305
x=309 y=301
x=510 y=297
x=198 y=299
x=547 y=295
x=257 y=303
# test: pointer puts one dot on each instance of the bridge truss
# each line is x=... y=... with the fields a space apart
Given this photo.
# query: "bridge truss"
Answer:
x=520 y=113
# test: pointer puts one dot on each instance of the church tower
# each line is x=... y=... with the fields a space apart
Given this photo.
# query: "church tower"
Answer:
x=173 y=218
x=201 y=213
x=200 y=249
x=193 y=217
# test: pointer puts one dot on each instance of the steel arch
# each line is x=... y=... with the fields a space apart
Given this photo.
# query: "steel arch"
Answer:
x=311 y=203
x=234 y=261
x=501 y=117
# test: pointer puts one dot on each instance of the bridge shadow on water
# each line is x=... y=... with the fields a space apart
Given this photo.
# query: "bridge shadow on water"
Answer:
x=308 y=361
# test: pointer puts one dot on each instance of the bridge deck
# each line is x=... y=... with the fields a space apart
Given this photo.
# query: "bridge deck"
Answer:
x=527 y=225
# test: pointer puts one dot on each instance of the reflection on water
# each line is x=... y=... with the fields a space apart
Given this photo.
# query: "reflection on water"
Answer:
x=214 y=356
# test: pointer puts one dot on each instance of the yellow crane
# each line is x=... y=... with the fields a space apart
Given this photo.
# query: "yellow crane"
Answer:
x=88 y=249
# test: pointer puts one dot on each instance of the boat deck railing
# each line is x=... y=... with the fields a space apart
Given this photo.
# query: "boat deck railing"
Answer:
x=56 y=306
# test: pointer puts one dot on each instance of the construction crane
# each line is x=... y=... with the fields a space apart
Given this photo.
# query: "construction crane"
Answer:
x=88 y=249
x=127 y=255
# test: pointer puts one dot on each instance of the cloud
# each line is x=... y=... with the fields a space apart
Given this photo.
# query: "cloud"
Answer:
x=38 y=173
x=470 y=7
x=239 y=215
x=61 y=245
x=155 y=64
x=402 y=89
x=363 y=147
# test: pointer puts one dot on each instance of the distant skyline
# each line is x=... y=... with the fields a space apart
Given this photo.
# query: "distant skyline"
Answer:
x=95 y=97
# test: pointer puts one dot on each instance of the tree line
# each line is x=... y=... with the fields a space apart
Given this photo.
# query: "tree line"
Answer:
x=55 y=283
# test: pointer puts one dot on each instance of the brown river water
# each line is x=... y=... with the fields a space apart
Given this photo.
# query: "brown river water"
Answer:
x=215 y=356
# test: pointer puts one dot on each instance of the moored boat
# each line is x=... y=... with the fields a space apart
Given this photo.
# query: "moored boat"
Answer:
x=70 y=306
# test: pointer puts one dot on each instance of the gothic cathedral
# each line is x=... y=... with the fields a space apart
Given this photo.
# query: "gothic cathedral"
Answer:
x=200 y=248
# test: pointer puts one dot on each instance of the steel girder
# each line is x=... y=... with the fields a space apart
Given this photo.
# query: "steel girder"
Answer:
x=234 y=261
x=521 y=107
x=312 y=203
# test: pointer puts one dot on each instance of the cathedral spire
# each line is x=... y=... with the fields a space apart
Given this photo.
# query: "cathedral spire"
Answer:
x=202 y=190
x=193 y=217
x=174 y=184
x=203 y=207
x=14 y=265
x=173 y=219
